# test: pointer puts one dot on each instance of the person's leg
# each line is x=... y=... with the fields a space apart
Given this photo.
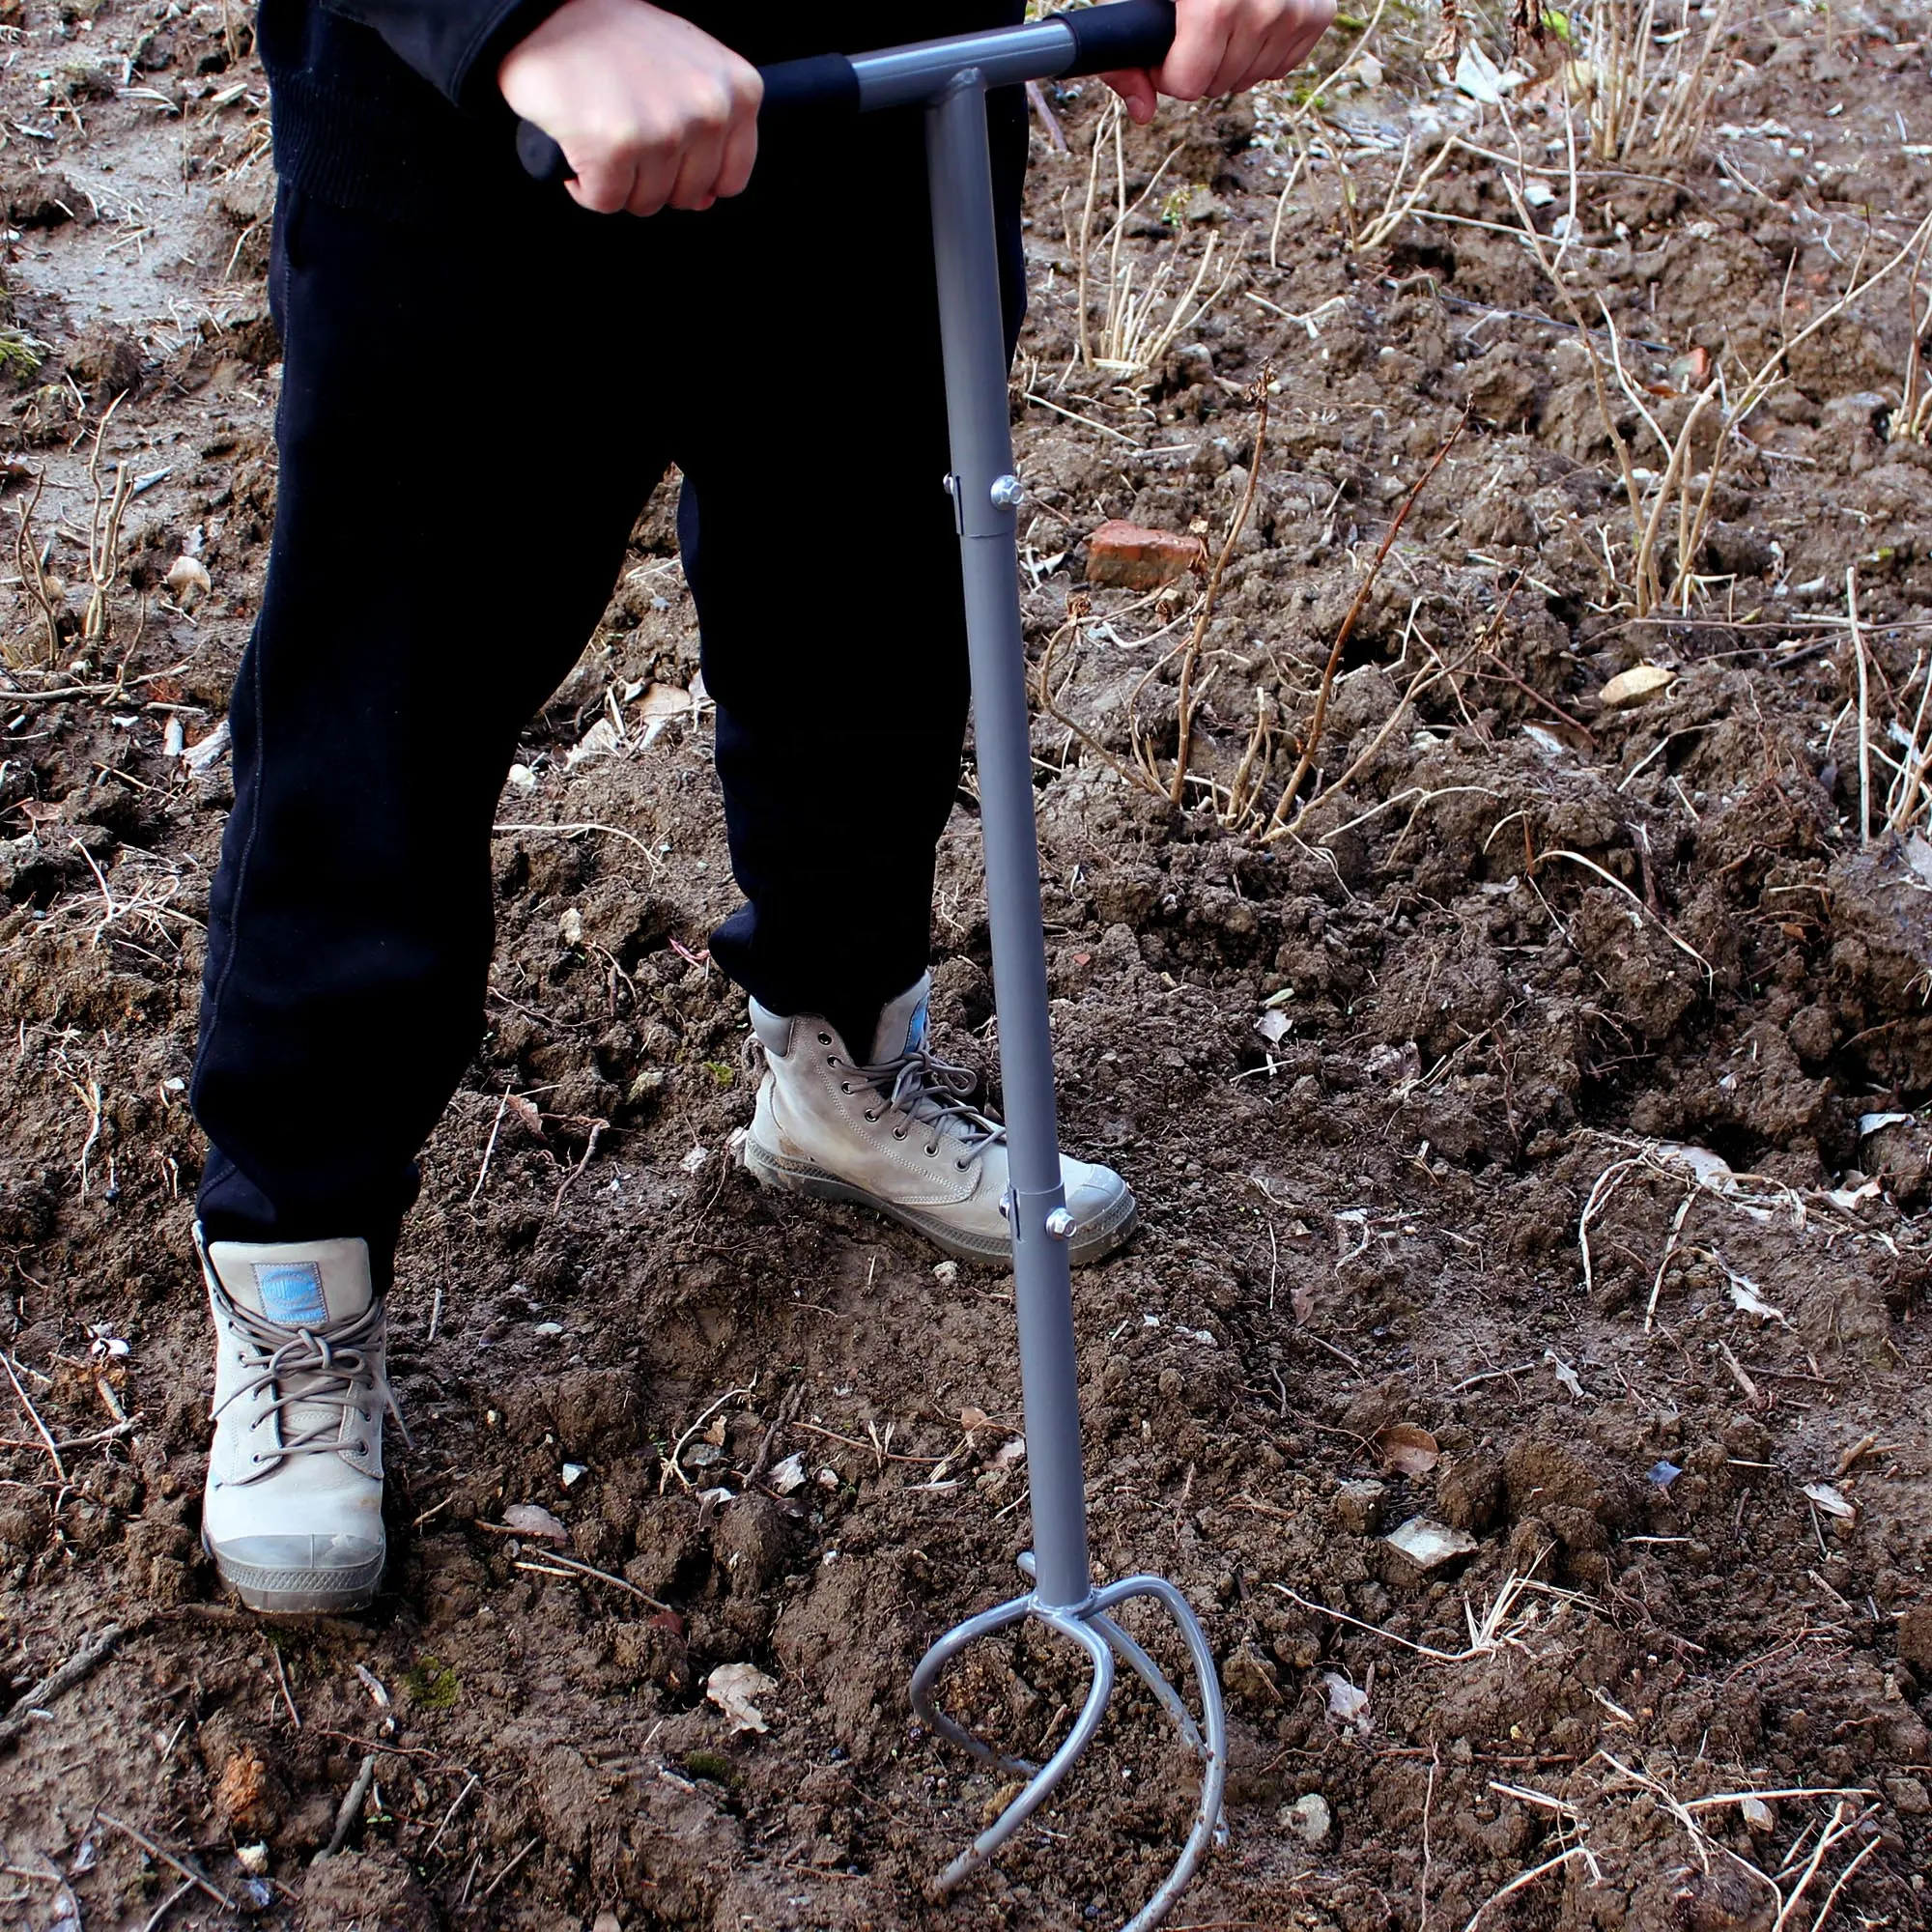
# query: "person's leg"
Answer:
x=820 y=548
x=448 y=526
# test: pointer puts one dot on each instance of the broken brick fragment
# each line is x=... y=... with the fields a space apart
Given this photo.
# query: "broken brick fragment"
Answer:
x=1134 y=557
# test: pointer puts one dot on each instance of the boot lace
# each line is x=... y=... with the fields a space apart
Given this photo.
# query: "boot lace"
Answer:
x=937 y=1094
x=310 y=1368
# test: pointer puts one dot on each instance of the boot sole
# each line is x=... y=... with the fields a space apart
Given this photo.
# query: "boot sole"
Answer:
x=1094 y=1241
x=299 y=1592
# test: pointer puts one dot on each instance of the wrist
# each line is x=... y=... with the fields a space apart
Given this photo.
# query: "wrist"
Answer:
x=480 y=81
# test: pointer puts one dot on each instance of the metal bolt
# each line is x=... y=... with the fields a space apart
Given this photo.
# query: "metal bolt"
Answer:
x=1008 y=492
x=1060 y=1225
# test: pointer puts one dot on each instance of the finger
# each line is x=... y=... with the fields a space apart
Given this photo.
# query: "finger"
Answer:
x=602 y=186
x=1201 y=33
x=741 y=155
x=656 y=174
x=1135 y=87
x=1311 y=23
x=696 y=183
x=1280 y=55
x=1235 y=68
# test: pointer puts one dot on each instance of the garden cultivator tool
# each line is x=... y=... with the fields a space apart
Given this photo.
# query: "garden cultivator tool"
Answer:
x=949 y=79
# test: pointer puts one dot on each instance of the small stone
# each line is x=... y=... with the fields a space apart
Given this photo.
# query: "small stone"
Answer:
x=1246 y=1675
x=1909 y=1797
x=252 y=1858
x=108 y=360
x=1915 y=1638
x=1134 y=557
x=573 y=1472
x=1430 y=1545
x=604 y=1922
x=1357 y=1507
x=1758 y=1816
x=1308 y=1819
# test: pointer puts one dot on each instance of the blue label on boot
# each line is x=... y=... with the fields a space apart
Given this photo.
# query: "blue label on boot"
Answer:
x=915 y=1031
x=292 y=1293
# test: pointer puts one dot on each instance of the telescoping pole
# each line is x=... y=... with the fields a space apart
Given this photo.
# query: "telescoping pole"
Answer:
x=985 y=500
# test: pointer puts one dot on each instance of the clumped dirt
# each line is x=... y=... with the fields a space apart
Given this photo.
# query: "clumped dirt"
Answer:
x=1556 y=1089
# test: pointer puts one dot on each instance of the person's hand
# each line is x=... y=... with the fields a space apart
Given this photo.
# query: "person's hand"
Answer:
x=650 y=111
x=1225 y=46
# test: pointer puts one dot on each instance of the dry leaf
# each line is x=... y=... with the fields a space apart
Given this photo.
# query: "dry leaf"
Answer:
x=1744 y=1292
x=1344 y=1700
x=526 y=1111
x=1832 y=1502
x=1408 y=1449
x=602 y=739
x=1564 y=1374
x=731 y=1686
x=664 y=701
x=1634 y=686
x=715 y=1434
x=789 y=1475
x=534 y=1520
x=188 y=581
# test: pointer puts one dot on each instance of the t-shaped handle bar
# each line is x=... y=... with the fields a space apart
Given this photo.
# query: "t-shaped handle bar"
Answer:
x=1092 y=39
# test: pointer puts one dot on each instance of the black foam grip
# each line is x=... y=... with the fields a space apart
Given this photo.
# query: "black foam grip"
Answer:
x=1122 y=34
x=822 y=84
x=542 y=159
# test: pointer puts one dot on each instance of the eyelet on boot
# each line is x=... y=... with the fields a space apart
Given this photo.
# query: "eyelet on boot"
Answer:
x=825 y=1039
x=870 y=1113
x=844 y=1086
x=898 y=1133
x=932 y=1152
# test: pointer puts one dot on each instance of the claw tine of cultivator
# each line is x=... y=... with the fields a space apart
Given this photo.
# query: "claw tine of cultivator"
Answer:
x=924 y=1680
x=1044 y=1780
x=1104 y=1640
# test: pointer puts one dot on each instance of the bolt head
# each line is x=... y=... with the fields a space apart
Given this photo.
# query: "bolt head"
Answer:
x=1008 y=492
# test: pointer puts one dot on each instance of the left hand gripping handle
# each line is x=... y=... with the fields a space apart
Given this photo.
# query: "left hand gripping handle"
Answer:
x=821 y=84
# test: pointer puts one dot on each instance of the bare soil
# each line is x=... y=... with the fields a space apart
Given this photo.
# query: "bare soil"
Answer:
x=1542 y=968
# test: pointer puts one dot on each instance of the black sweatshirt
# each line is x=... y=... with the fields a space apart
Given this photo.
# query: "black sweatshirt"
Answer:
x=391 y=106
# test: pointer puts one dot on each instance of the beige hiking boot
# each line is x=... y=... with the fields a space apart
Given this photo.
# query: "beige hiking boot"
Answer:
x=895 y=1134
x=292 y=1513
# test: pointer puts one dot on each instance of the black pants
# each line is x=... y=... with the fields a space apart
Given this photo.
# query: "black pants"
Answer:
x=470 y=422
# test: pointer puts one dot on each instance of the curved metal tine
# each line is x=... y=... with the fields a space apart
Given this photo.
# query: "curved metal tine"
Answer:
x=1209 y=1828
x=926 y=1676
x=1213 y=1750
x=1053 y=1771
x=1153 y=1677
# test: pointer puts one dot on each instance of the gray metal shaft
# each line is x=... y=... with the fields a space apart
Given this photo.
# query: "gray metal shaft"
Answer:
x=966 y=253
x=1004 y=56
